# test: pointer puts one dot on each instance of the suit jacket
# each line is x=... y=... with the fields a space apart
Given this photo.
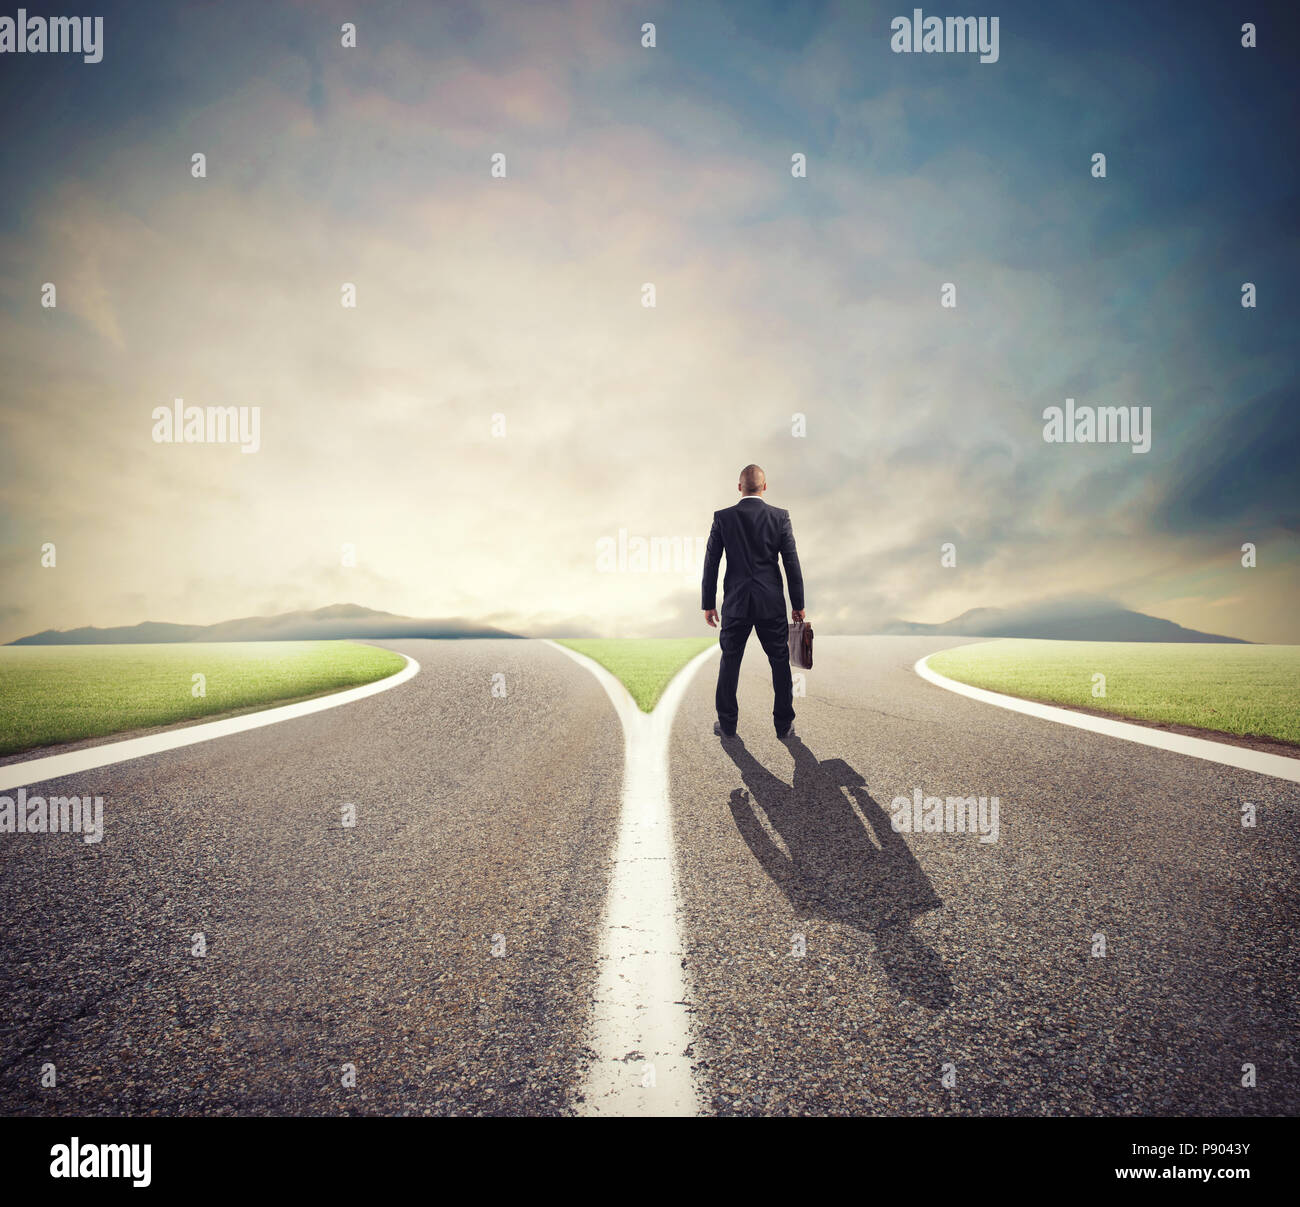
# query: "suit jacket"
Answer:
x=753 y=535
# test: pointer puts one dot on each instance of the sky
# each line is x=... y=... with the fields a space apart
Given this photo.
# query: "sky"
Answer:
x=500 y=404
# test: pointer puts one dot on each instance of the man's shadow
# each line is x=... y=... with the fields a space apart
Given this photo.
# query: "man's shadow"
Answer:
x=834 y=870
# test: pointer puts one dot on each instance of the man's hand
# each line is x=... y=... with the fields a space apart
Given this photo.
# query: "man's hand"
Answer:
x=711 y=617
x=798 y=614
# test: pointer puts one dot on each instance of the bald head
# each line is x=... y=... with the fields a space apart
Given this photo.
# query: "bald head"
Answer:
x=753 y=480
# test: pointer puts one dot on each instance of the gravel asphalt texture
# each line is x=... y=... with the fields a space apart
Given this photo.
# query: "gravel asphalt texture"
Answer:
x=933 y=950
x=372 y=946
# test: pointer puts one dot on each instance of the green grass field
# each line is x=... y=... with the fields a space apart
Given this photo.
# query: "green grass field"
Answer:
x=644 y=665
x=1249 y=690
x=62 y=693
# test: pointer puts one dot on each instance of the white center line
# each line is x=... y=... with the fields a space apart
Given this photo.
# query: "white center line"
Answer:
x=640 y=1023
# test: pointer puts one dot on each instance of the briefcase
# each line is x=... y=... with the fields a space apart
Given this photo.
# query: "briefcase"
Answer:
x=801 y=637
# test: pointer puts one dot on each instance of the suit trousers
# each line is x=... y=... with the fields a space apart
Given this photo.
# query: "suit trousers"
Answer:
x=773 y=634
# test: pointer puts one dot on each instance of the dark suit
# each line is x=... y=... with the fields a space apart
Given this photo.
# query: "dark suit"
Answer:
x=753 y=535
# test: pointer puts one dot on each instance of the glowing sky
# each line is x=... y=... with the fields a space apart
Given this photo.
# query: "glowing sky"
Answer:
x=522 y=297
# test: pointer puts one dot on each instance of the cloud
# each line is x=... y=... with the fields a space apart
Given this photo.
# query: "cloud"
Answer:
x=1241 y=474
x=522 y=298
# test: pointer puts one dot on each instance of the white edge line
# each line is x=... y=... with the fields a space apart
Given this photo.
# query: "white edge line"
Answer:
x=622 y=699
x=618 y=694
x=55 y=766
x=1258 y=761
x=666 y=710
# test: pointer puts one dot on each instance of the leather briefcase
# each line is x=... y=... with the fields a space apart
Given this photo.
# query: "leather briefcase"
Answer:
x=801 y=639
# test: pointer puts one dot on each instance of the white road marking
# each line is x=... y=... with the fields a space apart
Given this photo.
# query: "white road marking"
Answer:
x=1259 y=761
x=38 y=771
x=640 y=1025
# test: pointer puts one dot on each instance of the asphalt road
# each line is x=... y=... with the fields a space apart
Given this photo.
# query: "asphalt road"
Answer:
x=326 y=946
x=931 y=950
x=372 y=946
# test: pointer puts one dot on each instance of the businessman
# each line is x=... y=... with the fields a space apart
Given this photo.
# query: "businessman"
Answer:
x=752 y=535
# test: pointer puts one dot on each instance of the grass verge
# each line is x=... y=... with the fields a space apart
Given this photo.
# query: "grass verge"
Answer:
x=64 y=693
x=1245 y=690
x=644 y=665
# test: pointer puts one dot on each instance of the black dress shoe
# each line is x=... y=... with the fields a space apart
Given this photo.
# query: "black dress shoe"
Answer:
x=719 y=732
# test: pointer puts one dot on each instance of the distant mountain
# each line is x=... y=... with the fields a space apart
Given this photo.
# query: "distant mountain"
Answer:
x=324 y=624
x=1078 y=621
